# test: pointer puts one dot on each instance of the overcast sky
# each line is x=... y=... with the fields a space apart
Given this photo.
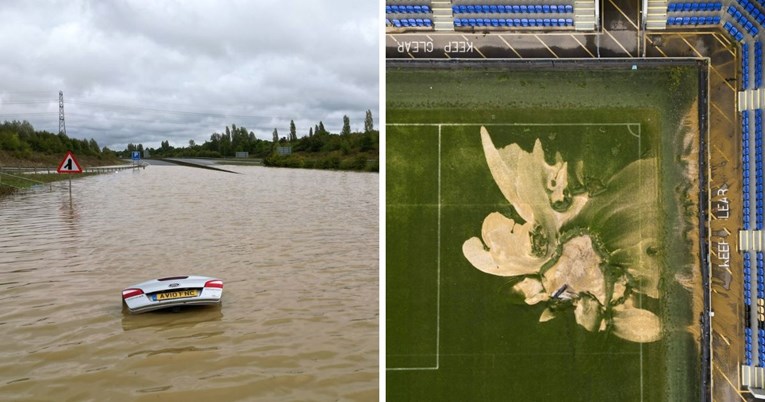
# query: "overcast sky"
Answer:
x=147 y=71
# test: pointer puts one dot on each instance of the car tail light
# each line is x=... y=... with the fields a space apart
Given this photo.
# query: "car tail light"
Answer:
x=216 y=283
x=128 y=293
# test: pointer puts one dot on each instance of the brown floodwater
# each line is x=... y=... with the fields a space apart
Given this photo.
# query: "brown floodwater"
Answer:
x=297 y=249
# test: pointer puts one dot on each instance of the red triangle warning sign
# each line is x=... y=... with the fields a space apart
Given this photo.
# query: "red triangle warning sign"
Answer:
x=69 y=164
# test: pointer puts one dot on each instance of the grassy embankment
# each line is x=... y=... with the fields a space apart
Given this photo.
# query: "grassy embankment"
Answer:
x=11 y=182
x=354 y=151
x=483 y=336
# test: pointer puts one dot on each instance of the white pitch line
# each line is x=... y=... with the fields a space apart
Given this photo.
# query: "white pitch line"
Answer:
x=438 y=261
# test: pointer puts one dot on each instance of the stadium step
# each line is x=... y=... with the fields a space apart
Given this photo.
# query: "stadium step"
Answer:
x=656 y=14
x=585 y=15
x=443 y=19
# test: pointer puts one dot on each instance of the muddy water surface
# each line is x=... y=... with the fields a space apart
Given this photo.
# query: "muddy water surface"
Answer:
x=297 y=249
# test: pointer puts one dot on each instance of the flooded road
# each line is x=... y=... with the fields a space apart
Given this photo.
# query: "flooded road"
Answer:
x=297 y=249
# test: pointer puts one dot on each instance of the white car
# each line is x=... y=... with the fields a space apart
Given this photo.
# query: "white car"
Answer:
x=174 y=291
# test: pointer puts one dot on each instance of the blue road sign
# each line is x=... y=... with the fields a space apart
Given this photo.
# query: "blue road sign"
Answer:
x=136 y=155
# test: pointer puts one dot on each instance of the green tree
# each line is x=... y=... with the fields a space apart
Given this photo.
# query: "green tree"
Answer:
x=310 y=132
x=276 y=136
x=321 y=129
x=346 y=126
x=368 y=122
x=293 y=131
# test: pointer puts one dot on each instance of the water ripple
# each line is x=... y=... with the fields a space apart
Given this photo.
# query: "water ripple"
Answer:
x=297 y=250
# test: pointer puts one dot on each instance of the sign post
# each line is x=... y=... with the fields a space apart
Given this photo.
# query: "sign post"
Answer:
x=69 y=165
x=136 y=156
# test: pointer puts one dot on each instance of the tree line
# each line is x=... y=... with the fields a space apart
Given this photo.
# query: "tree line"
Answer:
x=317 y=148
x=235 y=139
x=20 y=138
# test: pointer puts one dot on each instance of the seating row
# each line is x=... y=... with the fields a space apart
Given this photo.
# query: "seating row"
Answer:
x=512 y=9
x=409 y=22
x=748 y=338
x=760 y=282
x=513 y=22
x=709 y=20
x=733 y=31
x=408 y=9
x=688 y=6
x=741 y=19
x=753 y=11
x=745 y=67
x=758 y=196
x=745 y=169
x=757 y=66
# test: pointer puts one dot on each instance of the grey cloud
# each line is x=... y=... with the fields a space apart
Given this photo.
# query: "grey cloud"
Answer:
x=130 y=69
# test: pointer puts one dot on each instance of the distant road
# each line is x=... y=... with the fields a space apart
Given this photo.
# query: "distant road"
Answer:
x=158 y=162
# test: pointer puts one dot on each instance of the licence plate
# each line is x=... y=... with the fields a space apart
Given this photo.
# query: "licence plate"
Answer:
x=179 y=294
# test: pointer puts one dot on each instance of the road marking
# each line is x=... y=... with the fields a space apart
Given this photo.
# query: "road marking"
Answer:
x=690 y=46
x=721 y=154
x=397 y=42
x=710 y=66
x=511 y=48
x=625 y=15
x=735 y=388
x=475 y=47
x=619 y=43
x=725 y=116
x=582 y=45
x=545 y=45
x=725 y=43
x=655 y=46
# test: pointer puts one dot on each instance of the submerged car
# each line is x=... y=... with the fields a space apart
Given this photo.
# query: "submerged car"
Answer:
x=174 y=291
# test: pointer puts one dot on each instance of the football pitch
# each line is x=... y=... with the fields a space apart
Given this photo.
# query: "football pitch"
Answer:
x=456 y=333
x=453 y=139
